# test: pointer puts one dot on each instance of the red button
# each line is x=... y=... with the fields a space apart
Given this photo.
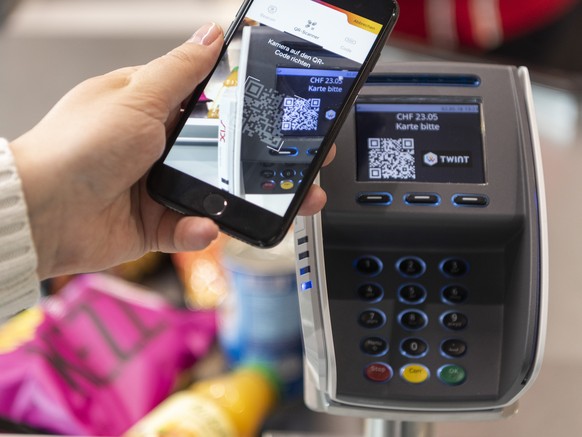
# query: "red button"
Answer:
x=268 y=185
x=378 y=372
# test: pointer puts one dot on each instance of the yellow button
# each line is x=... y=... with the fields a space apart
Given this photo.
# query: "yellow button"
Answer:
x=287 y=184
x=414 y=373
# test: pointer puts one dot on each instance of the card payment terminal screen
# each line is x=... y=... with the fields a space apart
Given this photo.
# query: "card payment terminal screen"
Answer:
x=420 y=142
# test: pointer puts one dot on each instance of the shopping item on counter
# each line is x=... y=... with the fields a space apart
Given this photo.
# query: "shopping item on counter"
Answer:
x=134 y=271
x=230 y=405
x=202 y=275
x=97 y=357
x=259 y=320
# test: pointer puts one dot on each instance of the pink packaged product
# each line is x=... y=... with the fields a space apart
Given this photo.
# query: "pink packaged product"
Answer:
x=99 y=356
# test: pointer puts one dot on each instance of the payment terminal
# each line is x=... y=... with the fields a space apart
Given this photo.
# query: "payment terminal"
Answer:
x=423 y=282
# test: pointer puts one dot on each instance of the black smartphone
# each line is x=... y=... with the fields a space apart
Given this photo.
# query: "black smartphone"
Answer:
x=255 y=133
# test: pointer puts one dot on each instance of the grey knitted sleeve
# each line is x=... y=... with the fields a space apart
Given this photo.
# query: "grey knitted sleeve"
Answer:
x=19 y=285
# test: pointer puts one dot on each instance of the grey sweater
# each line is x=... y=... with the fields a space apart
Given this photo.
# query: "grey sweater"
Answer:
x=19 y=285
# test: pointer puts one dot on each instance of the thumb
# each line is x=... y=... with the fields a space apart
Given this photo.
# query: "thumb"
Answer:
x=175 y=75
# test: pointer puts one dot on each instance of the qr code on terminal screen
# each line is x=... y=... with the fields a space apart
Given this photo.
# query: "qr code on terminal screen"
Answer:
x=391 y=158
x=262 y=113
x=300 y=114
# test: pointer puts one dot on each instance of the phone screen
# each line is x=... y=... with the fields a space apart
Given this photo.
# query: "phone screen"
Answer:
x=273 y=97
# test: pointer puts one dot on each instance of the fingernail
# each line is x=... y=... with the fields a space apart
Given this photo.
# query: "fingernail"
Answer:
x=206 y=35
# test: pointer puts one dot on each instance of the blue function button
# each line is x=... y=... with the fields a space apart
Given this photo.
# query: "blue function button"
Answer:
x=411 y=267
x=374 y=199
x=368 y=265
x=470 y=200
x=422 y=199
x=284 y=151
x=372 y=319
x=370 y=292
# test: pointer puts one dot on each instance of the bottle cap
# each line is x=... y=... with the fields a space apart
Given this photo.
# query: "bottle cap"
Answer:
x=268 y=372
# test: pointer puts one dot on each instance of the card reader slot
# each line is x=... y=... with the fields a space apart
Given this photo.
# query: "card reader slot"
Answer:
x=465 y=80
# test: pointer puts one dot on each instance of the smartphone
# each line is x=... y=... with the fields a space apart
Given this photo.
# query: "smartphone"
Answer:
x=255 y=133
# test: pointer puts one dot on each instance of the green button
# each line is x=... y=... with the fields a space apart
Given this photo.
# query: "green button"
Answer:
x=452 y=374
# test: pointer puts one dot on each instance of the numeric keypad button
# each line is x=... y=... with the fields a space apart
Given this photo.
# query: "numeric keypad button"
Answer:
x=413 y=320
x=411 y=267
x=368 y=265
x=454 y=267
x=374 y=346
x=370 y=292
x=414 y=347
x=412 y=294
x=455 y=294
x=455 y=321
x=372 y=319
x=453 y=348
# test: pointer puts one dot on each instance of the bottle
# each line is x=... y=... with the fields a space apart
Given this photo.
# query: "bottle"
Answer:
x=259 y=320
x=231 y=405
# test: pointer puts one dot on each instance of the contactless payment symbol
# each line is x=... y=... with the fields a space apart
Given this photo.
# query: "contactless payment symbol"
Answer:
x=430 y=159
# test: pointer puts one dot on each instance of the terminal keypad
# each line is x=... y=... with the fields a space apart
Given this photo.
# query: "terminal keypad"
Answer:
x=397 y=342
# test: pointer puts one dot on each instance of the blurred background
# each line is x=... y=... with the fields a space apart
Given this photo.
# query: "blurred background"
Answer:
x=48 y=46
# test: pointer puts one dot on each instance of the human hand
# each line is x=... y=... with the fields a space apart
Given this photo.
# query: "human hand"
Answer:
x=82 y=167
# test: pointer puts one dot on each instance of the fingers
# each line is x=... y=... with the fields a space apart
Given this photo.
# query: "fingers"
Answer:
x=330 y=156
x=178 y=233
x=176 y=74
x=314 y=201
x=194 y=233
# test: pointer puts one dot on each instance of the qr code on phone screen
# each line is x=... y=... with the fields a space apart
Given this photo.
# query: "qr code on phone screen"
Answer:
x=391 y=158
x=262 y=113
x=300 y=114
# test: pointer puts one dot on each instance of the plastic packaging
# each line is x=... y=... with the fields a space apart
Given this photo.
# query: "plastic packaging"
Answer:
x=232 y=405
x=97 y=357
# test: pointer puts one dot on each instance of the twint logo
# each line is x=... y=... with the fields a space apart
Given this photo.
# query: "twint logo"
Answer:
x=431 y=159
x=447 y=159
x=459 y=159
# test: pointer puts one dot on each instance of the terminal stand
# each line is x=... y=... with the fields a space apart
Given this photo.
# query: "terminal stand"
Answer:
x=386 y=428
